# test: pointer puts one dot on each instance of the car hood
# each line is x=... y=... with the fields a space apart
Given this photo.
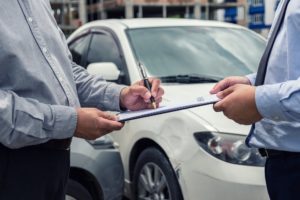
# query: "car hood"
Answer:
x=189 y=92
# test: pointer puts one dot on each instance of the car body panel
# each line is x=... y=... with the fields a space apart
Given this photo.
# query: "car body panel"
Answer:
x=104 y=164
x=200 y=175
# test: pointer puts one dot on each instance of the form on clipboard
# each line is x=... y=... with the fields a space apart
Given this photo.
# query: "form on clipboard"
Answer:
x=201 y=101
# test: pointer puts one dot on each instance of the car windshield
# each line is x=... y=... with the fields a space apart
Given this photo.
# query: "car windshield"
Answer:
x=202 y=53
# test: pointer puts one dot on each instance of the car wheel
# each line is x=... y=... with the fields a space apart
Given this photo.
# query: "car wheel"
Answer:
x=154 y=178
x=75 y=191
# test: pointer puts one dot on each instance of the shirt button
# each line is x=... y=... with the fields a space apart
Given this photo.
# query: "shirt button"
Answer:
x=45 y=50
x=29 y=19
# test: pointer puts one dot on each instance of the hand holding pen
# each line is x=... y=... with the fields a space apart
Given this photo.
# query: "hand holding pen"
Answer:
x=144 y=94
x=147 y=84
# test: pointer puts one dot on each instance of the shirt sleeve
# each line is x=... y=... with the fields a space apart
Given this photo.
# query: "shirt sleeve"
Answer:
x=26 y=122
x=252 y=78
x=280 y=101
x=93 y=91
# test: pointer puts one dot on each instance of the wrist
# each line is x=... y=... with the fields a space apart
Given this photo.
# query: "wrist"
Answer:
x=122 y=98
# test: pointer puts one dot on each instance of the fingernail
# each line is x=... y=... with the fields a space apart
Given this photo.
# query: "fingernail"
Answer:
x=148 y=95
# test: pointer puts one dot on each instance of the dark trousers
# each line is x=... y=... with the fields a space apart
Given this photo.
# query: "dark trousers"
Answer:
x=33 y=173
x=283 y=177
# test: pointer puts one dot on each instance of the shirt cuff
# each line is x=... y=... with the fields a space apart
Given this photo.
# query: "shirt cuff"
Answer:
x=62 y=123
x=268 y=102
x=112 y=97
x=251 y=78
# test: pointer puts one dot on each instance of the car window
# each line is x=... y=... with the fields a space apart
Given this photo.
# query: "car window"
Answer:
x=78 y=49
x=103 y=48
x=209 y=51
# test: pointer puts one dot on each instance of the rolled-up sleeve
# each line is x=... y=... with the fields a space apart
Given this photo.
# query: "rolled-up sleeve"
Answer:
x=279 y=102
x=251 y=78
x=93 y=91
x=27 y=122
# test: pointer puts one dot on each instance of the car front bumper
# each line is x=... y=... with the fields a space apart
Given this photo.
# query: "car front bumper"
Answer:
x=205 y=177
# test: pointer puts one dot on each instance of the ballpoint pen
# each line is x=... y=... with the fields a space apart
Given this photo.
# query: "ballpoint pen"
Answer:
x=146 y=83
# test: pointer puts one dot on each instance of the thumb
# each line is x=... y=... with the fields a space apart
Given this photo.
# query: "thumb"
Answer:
x=221 y=85
x=108 y=116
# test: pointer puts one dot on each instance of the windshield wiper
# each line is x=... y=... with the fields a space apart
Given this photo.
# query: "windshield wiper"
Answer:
x=186 y=78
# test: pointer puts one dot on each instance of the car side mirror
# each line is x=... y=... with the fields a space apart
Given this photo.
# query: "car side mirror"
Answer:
x=108 y=70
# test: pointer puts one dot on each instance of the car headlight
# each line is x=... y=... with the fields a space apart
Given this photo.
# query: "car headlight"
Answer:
x=229 y=148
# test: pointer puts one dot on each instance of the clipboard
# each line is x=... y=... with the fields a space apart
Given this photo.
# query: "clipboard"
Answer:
x=200 y=101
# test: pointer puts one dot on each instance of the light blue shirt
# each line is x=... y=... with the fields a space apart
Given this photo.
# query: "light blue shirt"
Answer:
x=40 y=86
x=278 y=100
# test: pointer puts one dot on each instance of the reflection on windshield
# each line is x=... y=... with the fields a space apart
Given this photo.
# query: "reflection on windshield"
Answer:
x=209 y=51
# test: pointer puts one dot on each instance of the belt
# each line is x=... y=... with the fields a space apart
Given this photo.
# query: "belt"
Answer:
x=63 y=144
x=276 y=153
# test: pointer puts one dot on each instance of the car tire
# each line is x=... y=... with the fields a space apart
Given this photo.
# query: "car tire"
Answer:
x=154 y=177
x=75 y=191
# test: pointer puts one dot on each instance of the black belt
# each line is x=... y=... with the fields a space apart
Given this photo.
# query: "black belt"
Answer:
x=273 y=153
x=63 y=144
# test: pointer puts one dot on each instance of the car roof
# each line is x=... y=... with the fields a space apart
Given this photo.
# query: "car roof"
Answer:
x=159 y=22
x=123 y=24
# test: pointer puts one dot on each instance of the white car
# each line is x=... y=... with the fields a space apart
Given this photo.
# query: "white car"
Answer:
x=191 y=154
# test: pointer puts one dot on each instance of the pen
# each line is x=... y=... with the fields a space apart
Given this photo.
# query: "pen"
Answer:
x=146 y=83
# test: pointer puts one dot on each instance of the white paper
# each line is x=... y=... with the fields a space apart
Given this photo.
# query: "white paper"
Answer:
x=201 y=101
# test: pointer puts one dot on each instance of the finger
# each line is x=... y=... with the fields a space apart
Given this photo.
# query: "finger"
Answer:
x=221 y=85
x=218 y=107
x=225 y=92
x=155 y=86
x=140 y=83
x=109 y=125
x=160 y=93
x=158 y=100
x=140 y=91
x=111 y=116
x=107 y=115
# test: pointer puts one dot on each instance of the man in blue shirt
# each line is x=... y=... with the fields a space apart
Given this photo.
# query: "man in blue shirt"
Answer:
x=271 y=100
x=41 y=94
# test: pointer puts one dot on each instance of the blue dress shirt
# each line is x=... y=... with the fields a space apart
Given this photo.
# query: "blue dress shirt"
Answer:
x=278 y=100
x=40 y=86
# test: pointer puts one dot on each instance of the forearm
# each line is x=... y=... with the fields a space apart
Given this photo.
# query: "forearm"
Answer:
x=279 y=102
x=27 y=122
x=93 y=91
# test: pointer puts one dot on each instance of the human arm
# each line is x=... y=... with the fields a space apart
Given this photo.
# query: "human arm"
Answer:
x=249 y=104
x=93 y=91
x=26 y=121
x=278 y=100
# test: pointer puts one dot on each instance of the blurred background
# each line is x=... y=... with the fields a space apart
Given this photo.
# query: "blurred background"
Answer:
x=254 y=14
